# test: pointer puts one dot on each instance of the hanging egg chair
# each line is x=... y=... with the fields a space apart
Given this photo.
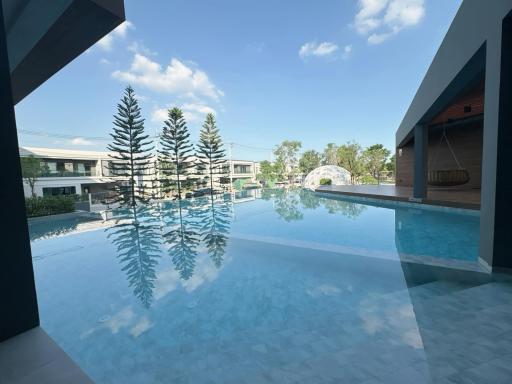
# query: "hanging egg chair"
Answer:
x=447 y=177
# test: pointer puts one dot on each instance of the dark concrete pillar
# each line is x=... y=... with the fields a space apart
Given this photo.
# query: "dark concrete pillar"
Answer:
x=502 y=255
x=18 y=303
x=420 y=161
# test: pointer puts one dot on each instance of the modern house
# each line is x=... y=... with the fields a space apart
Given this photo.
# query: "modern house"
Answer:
x=70 y=171
x=453 y=146
x=244 y=170
x=465 y=98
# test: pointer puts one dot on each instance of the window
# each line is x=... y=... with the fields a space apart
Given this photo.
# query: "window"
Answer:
x=59 y=191
x=242 y=168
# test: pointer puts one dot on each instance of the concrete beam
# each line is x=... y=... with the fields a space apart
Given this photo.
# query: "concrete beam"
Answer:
x=420 y=161
x=43 y=37
x=18 y=302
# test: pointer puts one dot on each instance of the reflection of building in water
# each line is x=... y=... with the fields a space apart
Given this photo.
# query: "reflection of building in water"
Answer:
x=246 y=195
x=47 y=227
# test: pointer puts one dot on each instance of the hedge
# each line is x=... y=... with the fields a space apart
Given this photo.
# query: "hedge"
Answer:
x=49 y=205
x=325 y=181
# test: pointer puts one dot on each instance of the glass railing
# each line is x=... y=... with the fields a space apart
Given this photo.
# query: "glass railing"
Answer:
x=68 y=174
x=242 y=172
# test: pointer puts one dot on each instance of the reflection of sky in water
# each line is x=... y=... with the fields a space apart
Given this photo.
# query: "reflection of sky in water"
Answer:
x=257 y=288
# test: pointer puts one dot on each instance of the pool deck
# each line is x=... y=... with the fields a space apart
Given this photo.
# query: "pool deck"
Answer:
x=457 y=198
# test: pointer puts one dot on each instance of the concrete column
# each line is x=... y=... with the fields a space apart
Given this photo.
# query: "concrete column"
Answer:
x=18 y=303
x=496 y=205
x=420 y=161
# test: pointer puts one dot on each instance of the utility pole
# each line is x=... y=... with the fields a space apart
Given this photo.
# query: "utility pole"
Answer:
x=231 y=166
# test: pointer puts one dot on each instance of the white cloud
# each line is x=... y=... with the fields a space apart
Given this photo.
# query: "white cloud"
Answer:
x=106 y=42
x=142 y=326
x=104 y=61
x=138 y=47
x=192 y=112
x=159 y=115
x=81 y=141
x=312 y=48
x=122 y=29
x=347 y=51
x=381 y=19
x=176 y=78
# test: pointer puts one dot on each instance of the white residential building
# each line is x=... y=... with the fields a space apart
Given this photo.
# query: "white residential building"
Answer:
x=72 y=171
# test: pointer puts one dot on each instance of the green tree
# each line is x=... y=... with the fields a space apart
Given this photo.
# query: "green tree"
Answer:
x=175 y=149
x=267 y=172
x=131 y=150
x=349 y=157
x=330 y=155
x=210 y=150
x=374 y=159
x=309 y=161
x=391 y=164
x=286 y=159
x=32 y=170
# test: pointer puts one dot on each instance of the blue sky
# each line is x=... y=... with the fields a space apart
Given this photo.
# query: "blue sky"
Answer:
x=314 y=71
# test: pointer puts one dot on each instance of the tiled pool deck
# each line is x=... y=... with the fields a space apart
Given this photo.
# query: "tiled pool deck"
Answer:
x=457 y=198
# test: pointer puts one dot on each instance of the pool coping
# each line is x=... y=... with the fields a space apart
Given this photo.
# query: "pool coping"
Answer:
x=397 y=201
x=432 y=261
x=403 y=199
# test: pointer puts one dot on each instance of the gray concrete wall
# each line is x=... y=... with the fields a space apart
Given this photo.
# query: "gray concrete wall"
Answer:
x=475 y=23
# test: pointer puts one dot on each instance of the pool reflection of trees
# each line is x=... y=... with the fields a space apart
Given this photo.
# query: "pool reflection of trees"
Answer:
x=289 y=204
x=180 y=229
x=138 y=251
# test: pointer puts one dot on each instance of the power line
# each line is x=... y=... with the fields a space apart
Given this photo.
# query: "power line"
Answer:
x=107 y=138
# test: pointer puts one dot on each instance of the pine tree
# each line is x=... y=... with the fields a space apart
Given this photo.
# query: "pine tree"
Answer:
x=175 y=150
x=210 y=150
x=131 y=150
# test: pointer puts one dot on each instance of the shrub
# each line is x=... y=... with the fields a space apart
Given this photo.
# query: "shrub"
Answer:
x=325 y=181
x=368 y=179
x=239 y=184
x=49 y=205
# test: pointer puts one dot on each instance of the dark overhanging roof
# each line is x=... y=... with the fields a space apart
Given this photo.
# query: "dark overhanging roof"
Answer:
x=43 y=36
x=459 y=62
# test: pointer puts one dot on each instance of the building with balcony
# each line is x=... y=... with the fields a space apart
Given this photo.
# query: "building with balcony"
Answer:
x=70 y=172
x=77 y=172
x=244 y=170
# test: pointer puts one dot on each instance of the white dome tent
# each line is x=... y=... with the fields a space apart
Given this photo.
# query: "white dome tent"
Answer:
x=337 y=175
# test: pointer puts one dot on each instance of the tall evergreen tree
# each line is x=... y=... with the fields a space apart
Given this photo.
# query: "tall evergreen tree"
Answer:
x=210 y=151
x=175 y=150
x=131 y=150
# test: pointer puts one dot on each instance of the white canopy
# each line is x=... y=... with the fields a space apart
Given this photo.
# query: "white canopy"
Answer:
x=337 y=175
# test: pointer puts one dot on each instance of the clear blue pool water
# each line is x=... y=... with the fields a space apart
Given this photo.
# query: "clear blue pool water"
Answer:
x=274 y=286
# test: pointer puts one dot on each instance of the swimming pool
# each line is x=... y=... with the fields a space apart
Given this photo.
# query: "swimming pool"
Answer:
x=269 y=286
